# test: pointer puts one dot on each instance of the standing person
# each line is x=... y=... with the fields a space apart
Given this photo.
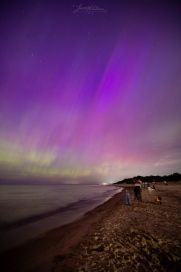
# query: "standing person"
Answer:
x=137 y=189
x=126 y=197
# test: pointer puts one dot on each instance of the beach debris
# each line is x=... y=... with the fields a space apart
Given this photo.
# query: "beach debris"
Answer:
x=137 y=251
x=98 y=247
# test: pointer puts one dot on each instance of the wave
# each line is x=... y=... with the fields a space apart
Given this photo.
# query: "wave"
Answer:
x=70 y=207
x=37 y=217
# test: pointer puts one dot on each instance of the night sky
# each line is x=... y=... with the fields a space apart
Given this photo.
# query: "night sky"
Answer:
x=89 y=90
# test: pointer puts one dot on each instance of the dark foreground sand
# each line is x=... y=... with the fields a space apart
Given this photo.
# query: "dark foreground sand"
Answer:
x=112 y=237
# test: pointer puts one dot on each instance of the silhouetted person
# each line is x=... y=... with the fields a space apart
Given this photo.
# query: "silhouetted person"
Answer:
x=137 y=190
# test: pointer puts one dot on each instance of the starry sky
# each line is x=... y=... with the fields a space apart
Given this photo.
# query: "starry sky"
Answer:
x=89 y=90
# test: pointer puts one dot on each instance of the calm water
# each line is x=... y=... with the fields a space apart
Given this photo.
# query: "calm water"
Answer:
x=27 y=211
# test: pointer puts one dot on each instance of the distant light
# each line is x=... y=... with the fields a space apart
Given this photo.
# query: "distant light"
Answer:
x=104 y=183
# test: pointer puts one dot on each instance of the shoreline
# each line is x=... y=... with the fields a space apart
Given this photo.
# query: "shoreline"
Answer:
x=30 y=228
x=60 y=249
x=37 y=217
x=70 y=235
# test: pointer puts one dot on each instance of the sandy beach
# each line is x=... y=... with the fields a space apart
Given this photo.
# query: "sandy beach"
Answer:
x=112 y=237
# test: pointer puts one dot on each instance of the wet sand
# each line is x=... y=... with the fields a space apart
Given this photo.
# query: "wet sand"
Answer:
x=112 y=237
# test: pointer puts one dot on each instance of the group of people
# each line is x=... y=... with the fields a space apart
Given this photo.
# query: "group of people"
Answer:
x=138 y=192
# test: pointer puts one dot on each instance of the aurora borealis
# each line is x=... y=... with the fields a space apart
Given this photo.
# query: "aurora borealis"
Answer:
x=92 y=95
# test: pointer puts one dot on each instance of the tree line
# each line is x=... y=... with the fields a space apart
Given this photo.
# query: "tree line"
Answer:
x=169 y=178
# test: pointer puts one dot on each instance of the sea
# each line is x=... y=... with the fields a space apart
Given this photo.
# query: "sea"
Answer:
x=29 y=211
